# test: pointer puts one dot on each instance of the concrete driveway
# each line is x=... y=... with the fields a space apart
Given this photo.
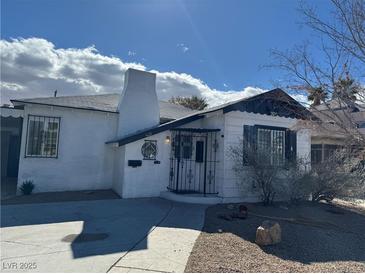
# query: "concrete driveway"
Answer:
x=99 y=236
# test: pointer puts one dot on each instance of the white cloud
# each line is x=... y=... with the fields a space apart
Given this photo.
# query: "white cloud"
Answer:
x=35 y=68
x=183 y=47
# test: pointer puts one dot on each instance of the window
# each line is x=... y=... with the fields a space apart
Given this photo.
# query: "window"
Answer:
x=322 y=152
x=271 y=145
x=187 y=146
x=361 y=125
x=42 y=136
x=149 y=150
x=199 y=152
x=316 y=154
x=183 y=146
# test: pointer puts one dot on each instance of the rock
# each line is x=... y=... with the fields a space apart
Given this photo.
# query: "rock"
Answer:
x=268 y=233
x=220 y=230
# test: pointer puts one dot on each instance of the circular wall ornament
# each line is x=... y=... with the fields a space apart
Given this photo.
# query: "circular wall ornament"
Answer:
x=149 y=150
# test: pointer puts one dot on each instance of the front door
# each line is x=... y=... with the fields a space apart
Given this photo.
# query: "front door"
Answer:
x=193 y=161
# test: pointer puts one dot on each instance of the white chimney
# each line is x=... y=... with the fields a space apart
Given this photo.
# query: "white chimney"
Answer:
x=138 y=104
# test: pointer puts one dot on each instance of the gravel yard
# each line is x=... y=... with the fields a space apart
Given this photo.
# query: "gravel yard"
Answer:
x=323 y=238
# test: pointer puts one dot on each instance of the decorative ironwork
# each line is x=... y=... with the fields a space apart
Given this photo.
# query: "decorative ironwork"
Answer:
x=190 y=176
x=193 y=161
x=42 y=136
x=215 y=145
x=149 y=150
x=210 y=177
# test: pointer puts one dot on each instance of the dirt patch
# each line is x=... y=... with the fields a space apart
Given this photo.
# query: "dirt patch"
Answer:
x=314 y=239
x=64 y=196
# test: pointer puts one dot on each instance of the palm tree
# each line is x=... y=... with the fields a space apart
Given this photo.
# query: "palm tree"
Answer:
x=346 y=89
x=317 y=96
x=193 y=102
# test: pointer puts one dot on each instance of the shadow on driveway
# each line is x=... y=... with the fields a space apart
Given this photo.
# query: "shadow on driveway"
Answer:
x=92 y=227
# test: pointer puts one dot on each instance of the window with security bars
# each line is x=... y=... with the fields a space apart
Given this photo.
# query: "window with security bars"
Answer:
x=149 y=150
x=42 y=136
x=183 y=146
x=271 y=145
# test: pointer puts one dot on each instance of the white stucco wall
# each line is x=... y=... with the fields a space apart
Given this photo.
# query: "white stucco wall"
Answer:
x=233 y=132
x=84 y=161
x=149 y=179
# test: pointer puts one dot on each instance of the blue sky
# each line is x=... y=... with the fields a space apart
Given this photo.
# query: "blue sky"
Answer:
x=222 y=43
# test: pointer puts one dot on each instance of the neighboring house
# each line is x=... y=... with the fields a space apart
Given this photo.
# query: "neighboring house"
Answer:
x=333 y=129
x=141 y=147
x=11 y=122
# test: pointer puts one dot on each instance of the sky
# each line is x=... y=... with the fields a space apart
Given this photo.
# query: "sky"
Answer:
x=214 y=49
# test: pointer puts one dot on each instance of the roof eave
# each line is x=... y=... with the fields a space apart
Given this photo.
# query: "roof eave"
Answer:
x=61 y=106
x=167 y=126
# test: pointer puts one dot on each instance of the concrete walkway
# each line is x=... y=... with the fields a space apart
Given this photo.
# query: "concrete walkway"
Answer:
x=129 y=235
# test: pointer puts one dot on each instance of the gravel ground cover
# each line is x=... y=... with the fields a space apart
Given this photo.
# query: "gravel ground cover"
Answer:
x=322 y=238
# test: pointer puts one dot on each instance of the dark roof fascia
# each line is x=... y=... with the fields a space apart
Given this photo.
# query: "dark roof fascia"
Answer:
x=153 y=131
x=296 y=110
x=62 y=106
x=226 y=108
x=199 y=130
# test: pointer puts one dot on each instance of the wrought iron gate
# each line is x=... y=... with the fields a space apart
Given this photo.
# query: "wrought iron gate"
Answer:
x=193 y=161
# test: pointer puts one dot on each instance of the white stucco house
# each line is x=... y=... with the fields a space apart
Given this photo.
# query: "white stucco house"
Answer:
x=140 y=147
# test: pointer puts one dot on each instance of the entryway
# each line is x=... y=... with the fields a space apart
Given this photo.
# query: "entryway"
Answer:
x=11 y=131
x=193 y=161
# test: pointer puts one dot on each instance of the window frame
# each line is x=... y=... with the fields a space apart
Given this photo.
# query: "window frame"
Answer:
x=284 y=140
x=325 y=151
x=155 y=156
x=57 y=118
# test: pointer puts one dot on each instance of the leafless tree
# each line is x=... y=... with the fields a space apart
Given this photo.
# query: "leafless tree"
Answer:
x=347 y=30
x=268 y=179
x=333 y=83
x=341 y=175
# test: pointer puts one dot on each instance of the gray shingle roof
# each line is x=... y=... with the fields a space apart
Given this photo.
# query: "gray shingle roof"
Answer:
x=106 y=103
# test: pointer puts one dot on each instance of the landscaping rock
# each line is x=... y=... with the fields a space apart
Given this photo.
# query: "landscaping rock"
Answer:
x=268 y=233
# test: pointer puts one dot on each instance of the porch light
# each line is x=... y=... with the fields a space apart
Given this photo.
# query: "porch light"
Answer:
x=167 y=140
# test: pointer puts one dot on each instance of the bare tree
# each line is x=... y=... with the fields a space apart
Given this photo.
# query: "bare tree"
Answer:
x=347 y=31
x=333 y=83
x=338 y=176
x=268 y=179
x=341 y=175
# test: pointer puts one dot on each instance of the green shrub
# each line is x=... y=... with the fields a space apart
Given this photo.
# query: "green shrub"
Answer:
x=27 y=187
